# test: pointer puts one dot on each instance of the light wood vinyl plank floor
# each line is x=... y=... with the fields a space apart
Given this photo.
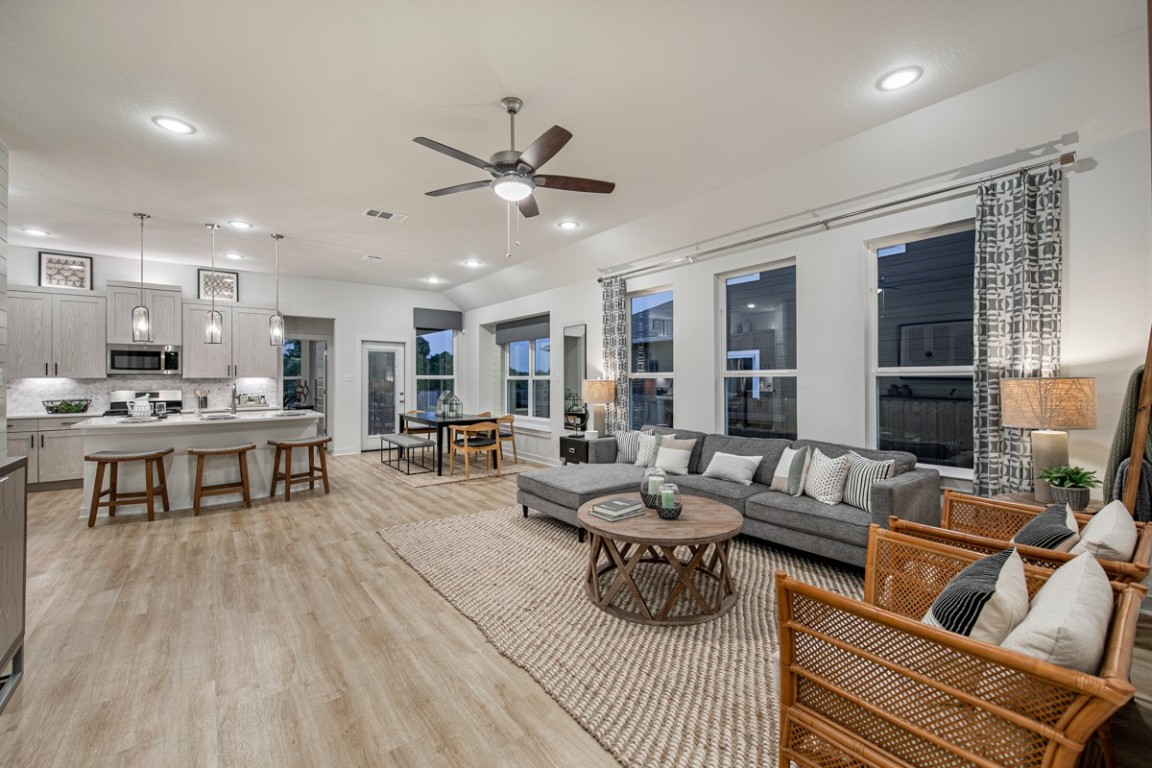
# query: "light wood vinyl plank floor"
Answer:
x=286 y=635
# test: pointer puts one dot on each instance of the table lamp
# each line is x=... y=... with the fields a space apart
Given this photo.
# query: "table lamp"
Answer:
x=1048 y=406
x=597 y=392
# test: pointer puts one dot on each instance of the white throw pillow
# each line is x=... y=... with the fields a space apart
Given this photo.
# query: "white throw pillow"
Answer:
x=1109 y=535
x=729 y=466
x=673 y=455
x=1068 y=621
x=985 y=601
x=826 y=477
x=792 y=471
x=862 y=473
x=646 y=453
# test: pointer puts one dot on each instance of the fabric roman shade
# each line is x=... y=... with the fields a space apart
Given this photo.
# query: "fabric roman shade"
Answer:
x=525 y=329
x=437 y=319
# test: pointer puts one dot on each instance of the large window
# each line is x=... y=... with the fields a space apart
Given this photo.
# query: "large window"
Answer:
x=650 y=369
x=923 y=347
x=526 y=353
x=760 y=353
x=435 y=372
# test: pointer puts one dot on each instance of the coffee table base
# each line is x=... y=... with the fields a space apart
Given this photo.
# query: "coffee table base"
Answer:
x=708 y=560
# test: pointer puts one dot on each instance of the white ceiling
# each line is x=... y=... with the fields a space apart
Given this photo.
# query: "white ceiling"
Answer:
x=306 y=112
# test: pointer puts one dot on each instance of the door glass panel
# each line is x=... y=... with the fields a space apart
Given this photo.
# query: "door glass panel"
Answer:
x=381 y=392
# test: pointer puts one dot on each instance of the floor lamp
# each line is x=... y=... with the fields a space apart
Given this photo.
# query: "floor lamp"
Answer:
x=1048 y=406
x=598 y=392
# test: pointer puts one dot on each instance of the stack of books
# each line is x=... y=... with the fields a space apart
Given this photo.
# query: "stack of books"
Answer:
x=618 y=509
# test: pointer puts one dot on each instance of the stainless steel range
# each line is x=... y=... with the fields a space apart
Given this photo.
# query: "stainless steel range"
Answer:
x=119 y=400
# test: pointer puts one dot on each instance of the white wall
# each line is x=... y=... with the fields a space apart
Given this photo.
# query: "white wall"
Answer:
x=3 y=295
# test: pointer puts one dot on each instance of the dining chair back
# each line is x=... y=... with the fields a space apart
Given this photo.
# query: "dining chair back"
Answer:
x=507 y=434
x=473 y=438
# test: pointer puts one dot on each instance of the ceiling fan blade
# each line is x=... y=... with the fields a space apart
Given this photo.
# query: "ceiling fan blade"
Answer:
x=573 y=184
x=542 y=150
x=528 y=207
x=447 y=150
x=459 y=188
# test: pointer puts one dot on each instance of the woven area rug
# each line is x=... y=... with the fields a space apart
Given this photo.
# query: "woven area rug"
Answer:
x=428 y=479
x=702 y=695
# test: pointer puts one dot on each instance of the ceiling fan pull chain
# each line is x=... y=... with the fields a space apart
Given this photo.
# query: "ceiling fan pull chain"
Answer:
x=508 y=242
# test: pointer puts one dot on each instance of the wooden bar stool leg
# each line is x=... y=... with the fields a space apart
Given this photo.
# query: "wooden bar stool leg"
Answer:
x=112 y=490
x=275 y=471
x=148 y=489
x=287 y=473
x=323 y=466
x=242 y=458
x=96 y=493
x=199 y=485
x=163 y=488
x=311 y=467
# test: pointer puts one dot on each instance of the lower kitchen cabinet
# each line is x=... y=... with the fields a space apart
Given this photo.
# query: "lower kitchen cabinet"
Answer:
x=54 y=451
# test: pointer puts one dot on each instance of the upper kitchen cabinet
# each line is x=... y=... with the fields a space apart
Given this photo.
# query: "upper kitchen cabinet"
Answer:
x=164 y=309
x=56 y=334
x=244 y=350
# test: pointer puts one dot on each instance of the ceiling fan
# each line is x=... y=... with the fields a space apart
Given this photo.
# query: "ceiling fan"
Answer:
x=514 y=174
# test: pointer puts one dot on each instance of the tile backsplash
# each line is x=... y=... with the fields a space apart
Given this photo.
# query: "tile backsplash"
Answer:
x=25 y=395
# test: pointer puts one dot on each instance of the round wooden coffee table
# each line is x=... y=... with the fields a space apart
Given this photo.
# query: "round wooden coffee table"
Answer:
x=620 y=548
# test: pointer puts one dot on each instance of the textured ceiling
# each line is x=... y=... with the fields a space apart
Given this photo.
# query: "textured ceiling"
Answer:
x=306 y=112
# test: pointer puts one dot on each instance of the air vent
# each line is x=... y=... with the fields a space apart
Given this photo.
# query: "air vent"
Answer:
x=397 y=217
x=371 y=257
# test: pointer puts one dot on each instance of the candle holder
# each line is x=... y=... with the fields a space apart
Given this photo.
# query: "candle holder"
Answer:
x=669 y=502
x=650 y=487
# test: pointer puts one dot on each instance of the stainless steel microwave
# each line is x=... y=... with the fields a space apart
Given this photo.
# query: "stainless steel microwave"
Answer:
x=143 y=359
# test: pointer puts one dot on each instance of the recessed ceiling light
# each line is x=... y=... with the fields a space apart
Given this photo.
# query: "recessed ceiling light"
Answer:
x=474 y=263
x=174 y=125
x=233 y=256
x=900 y=78
x=433 y=280
x=240 y=225
x=35 y=232
x=568 y=224
x=751 y=306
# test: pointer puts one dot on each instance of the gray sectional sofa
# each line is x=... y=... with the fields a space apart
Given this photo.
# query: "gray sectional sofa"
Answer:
x=837 y=531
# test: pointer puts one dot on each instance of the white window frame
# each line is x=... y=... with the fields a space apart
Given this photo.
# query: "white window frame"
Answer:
x=726 y=355
x=531 y=378
x=875 y=370
x=419 y=377
x=670 y=375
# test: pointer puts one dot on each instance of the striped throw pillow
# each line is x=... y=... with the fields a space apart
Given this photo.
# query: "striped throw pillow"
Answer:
x=1055 y=528
x=862 y=473
x=729 y=466
x=627 y=446
x=826 y=478
x=985 y=601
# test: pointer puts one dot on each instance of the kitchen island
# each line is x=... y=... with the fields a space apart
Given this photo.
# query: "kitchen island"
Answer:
x=184 y=431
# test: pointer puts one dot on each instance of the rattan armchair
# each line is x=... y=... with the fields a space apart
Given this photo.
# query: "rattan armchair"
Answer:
x=866 y=683
x=979 y=523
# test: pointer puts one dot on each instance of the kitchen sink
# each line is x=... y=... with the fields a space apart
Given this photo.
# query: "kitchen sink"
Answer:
x=218 y=417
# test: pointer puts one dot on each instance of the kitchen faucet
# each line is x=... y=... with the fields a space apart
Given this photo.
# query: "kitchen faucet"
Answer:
x=235 y=397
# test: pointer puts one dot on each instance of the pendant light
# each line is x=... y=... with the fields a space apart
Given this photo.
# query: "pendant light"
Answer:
x=214 y=322
x=276 y=321
x=141 y=320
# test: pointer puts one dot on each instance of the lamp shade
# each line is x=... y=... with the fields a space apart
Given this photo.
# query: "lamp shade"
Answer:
x=1048 y=403
x=599 y=391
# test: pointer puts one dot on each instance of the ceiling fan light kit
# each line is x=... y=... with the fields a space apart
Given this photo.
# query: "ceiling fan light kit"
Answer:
x=513 y=187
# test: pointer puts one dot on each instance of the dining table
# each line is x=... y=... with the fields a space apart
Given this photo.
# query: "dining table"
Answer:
x=442 y=422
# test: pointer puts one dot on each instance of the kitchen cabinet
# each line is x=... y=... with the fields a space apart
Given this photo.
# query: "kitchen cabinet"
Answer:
x=56 y=334
x=54 y=450
x=164 y=309
x=244 y=350
x=13 y=574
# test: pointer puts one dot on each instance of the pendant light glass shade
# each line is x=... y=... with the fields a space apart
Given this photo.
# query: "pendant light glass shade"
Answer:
x=141 y=319
x=276 y=321
x=214 y=322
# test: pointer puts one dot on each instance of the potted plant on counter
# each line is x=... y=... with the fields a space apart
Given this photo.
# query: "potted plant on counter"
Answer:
x=1070 y=485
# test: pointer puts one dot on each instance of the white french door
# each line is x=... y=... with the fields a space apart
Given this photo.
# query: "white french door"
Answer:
x=381 y=391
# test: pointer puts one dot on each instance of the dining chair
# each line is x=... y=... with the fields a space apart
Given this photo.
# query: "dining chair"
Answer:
x=473 y=438
x=507 y=434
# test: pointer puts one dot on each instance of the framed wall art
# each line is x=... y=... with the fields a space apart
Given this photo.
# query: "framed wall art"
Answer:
x=219 y=284
x=65 y=270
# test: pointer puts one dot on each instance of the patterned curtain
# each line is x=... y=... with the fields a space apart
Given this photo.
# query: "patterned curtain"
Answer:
x=615 y=294
x=1017 y=315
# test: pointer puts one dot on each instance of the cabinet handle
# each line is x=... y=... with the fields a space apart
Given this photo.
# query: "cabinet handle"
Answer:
x=41 y=441
x=55 y=369
x=45 y=369
x=32 y=441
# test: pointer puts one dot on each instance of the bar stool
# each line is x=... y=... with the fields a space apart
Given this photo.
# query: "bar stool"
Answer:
x=314 y=445
x=151 y=459
x=241 y=454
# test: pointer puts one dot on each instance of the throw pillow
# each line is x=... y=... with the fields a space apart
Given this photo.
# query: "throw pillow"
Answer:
x=627 y=446
x=1109 y=535
x=985 y=601
x=791 y=471
x=1054 y=528
x=673 y=455
x=646 y=453
x=862 y=473
x=1068 y=621
x=729 y=466
x=826 y=477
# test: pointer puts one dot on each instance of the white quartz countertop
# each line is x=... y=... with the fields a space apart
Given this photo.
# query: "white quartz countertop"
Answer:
x=191 y=420
x=18 y=416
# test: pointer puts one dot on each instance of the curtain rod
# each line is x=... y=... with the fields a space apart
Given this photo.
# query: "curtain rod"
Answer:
x=1066 y=159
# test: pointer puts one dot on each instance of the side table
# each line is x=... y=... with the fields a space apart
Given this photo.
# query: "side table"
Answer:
x=573 y=450
x=1028 y=497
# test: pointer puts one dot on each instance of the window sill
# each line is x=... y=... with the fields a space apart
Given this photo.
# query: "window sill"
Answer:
x=956 y=473
x=533 y=426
